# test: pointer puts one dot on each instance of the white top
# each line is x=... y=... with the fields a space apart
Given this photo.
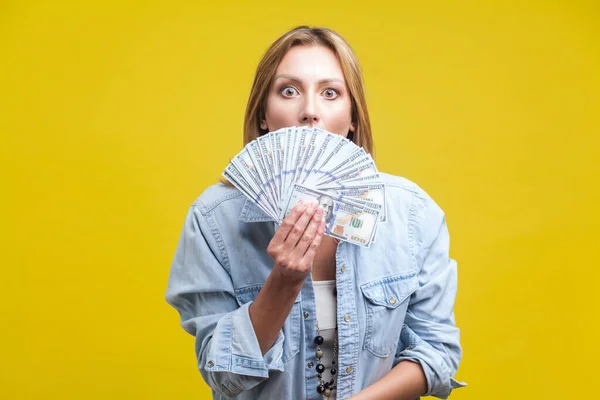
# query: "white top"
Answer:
x=326 y=303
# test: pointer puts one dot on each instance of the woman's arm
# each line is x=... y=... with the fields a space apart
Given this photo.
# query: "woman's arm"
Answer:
x=429 y=349
x=293 y=248
x=201 y=289
x=406 y=381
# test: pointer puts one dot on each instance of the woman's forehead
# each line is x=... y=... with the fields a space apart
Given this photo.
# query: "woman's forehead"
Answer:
x=310 y=63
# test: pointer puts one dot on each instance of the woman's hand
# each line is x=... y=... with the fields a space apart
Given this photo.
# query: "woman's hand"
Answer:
x=295 y=243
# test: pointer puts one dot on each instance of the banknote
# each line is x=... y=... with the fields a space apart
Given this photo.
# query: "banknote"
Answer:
x=310 y=149
x=235 y=177
x=278 y=148
x=358 y=172
x=244 y=164
x=347 y=162
x=372 y=196
x=323 y=145
x=258 y=159
x=292 y=150
x=362 y=180
x=343 y=220
x=338 y=153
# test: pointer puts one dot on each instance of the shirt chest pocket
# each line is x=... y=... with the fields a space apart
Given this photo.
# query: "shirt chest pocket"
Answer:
x=291 y=326
x=386 y=302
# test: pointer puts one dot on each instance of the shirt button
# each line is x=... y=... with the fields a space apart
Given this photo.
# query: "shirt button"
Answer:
x=349 y=369
x=343 y=268
x=392 y=300
x=305 y=314
x=210 y=364
x=310 y=364
x=347 y=318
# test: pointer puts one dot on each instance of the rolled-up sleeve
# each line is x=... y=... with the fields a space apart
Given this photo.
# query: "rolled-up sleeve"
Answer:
x=430 y=336
x=201 y=290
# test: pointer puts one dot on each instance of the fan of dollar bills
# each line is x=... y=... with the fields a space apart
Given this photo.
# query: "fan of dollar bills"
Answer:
x=280 y=168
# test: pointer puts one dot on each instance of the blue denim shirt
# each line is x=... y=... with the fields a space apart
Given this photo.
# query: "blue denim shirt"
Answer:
x=395 y=299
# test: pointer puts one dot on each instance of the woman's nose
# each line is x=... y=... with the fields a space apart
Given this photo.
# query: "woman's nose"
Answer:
x=309 y=113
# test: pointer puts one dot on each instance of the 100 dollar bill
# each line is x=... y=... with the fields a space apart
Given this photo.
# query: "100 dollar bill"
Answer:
x=345 y=221
x=371 y=196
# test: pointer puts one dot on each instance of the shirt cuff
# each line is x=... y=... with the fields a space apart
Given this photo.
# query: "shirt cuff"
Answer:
x=440 y=382
x=238 y=350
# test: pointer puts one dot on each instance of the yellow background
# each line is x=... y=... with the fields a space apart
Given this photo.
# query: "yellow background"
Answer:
x=114 y=116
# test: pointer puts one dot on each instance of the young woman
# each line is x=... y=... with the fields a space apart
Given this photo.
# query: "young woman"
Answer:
x=290 y=313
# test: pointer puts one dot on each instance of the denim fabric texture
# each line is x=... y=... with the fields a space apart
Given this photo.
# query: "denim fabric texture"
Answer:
x=395 y=300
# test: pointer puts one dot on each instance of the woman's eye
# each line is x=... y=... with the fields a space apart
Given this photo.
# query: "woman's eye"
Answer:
x=330 y=93
x=289 y=91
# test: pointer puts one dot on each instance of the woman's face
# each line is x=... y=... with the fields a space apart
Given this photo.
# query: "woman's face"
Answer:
x=309 y=89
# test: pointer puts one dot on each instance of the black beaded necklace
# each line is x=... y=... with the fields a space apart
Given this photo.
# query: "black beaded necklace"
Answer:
x=326 y=388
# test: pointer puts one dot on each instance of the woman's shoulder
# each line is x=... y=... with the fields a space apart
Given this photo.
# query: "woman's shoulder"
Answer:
x=399 y=182
x=402 y=191
x=217 y=196
x=399 y=186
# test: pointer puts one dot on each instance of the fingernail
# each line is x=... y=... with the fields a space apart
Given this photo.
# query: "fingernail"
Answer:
x=301 y=202
x=319 y=210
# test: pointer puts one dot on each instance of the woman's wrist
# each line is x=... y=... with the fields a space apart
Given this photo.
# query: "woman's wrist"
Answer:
x=271 y=307
x=280 y=280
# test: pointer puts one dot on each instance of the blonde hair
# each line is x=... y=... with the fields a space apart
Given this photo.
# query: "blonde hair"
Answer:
x=265 y=73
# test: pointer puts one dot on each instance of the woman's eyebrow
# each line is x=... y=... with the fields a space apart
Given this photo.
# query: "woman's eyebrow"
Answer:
x=299 y=81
